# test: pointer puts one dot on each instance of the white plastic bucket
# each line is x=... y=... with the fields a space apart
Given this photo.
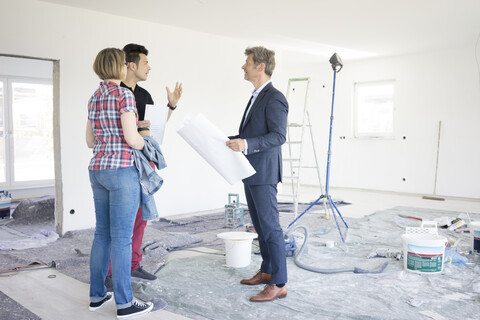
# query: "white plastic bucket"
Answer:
x=423 y=252
x=238 y=248
x=475 y=229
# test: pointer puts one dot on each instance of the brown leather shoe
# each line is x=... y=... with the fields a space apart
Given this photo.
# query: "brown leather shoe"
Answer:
x=260 y=277
x=270 y=293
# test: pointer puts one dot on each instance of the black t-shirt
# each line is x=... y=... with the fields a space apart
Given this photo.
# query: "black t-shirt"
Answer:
x=142 y=98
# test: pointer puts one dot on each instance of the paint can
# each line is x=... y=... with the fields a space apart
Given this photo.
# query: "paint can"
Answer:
x=475 y=230
x=5 y=204
x=423 y=250
x=238 y=248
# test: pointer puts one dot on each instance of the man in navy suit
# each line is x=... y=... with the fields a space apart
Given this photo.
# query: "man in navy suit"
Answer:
x=261 y=135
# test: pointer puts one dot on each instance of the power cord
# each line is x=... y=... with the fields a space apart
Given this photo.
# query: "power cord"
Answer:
x=12 y=271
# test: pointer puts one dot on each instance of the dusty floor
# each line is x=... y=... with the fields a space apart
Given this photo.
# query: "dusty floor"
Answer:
x=164 y=243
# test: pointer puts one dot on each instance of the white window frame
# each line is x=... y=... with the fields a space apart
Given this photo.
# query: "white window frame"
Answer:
x=10 y=181
x=372 y=135
x=6 y=132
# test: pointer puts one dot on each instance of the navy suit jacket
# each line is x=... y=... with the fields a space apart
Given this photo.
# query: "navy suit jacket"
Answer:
x=265 y=130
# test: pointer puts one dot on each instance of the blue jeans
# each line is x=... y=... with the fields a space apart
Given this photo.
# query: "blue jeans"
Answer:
x=116 y=193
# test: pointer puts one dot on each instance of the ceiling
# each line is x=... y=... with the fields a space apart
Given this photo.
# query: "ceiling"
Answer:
x=353 y=28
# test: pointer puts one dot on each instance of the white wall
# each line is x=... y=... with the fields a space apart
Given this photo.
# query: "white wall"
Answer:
x=20 y=67
x=431 y=87
x=209 y=66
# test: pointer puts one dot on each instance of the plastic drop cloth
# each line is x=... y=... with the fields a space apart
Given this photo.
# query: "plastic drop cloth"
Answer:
x=202 y=287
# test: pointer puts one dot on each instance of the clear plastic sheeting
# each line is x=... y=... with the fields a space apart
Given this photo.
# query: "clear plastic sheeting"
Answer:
x=40 y=239
x=202 y=287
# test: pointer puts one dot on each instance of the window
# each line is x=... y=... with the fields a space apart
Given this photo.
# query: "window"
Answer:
x=26 y=132
x=2 y=135
x=374 y=109
x=32 y=112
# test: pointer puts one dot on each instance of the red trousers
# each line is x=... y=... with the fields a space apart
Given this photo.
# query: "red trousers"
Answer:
x=138 y=231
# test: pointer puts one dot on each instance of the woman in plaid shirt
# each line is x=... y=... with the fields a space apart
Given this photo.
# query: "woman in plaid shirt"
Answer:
x=112 y=133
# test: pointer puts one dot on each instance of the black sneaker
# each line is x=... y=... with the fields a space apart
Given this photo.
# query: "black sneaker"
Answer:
x=136 y=309
x=109 y=283
x=140 y=273
x=97 y=305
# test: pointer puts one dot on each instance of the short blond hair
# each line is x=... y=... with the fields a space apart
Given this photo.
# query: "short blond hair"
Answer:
x=109 y=63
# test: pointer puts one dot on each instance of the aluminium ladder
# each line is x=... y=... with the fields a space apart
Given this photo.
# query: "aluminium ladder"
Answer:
x=298 y=124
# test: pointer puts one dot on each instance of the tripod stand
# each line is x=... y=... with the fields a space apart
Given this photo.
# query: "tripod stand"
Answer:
x=337 y=65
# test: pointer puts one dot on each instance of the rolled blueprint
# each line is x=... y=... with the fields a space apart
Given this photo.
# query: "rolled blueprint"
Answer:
x=209 y=142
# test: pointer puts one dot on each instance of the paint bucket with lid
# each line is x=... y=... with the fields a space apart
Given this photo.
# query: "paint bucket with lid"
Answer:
x=238 y=248
x=5 y=203
x=475 y=230
x=423 y=249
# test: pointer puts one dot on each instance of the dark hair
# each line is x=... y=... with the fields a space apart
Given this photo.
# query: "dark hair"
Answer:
x=262 y=55
x=109 y=63
x=132 y=52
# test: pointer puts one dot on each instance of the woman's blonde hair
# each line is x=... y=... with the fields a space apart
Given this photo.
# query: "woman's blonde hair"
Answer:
x=109 y=63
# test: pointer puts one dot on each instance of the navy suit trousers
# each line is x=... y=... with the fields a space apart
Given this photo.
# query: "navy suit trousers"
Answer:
x=262 y=204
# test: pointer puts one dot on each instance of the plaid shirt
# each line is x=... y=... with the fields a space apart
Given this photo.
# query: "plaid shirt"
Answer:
x=105 y=107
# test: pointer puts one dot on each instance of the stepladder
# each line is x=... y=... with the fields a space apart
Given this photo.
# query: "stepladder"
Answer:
x=299 y=152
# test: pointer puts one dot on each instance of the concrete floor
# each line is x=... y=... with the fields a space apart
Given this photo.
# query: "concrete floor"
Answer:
x=52 y=295
x=366 y=202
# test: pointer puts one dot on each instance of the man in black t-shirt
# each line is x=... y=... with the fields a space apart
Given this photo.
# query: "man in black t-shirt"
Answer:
x=142 y=98
x=137 y=70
